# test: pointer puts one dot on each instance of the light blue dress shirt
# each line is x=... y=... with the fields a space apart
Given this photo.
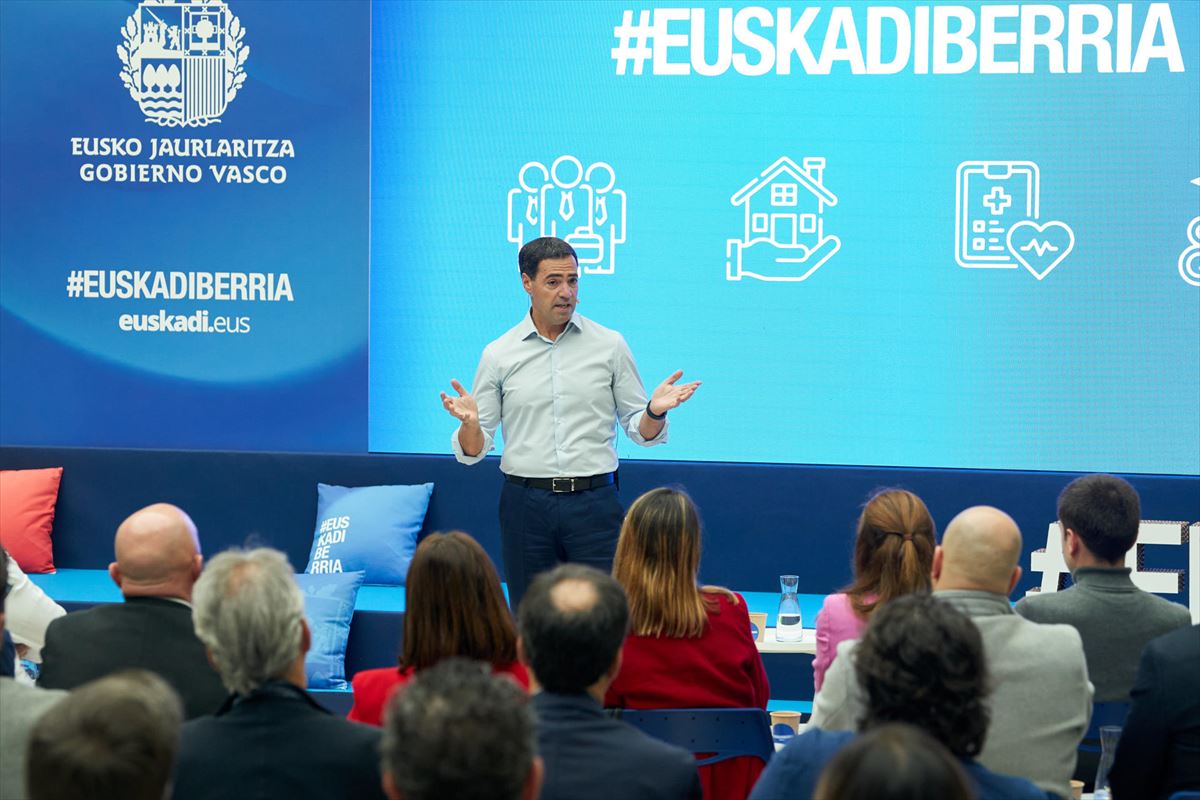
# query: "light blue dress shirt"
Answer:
x=558 y=402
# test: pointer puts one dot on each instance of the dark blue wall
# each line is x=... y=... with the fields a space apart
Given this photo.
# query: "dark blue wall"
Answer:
x=760 y=520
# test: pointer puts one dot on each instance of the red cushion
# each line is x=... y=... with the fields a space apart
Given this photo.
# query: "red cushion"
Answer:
x=27 y=499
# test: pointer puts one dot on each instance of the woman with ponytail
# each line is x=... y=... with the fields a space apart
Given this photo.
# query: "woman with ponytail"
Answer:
x=893 y=556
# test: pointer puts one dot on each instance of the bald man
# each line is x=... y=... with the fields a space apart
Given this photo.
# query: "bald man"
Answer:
x=157 y=562
x=1041 y=698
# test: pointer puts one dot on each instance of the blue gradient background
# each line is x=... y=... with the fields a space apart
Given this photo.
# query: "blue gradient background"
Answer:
x=70 y=376
x=890 y=354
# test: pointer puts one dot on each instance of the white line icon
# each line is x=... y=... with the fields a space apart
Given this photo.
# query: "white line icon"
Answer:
x=581 y=206
x=996 y=211
x=783 y=237
x=1189 y=259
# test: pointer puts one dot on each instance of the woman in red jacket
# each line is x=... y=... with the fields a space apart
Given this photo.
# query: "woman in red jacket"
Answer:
x=689 y=645
x=454 y=607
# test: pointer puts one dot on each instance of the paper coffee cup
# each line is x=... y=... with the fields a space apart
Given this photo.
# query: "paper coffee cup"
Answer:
x=758 y=625
x=789 y=718
x=1076 y=789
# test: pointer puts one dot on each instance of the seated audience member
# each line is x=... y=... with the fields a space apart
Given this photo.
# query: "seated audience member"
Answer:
x=572 y=622
x=1159 y=750
x=20 y=707
x=894 y=762
x=1099 y=516
x=112 y=739
x=920 y=661
x=1041 y=697
x=30 y=612
x=457 y=731
x=690 y=646
x=157 y=562
x=893 y=553
x=269 y=739
x=455 y=608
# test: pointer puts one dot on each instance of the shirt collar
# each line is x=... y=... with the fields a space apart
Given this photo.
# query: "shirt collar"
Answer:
x=159 y=598
x=270 y=690
x=526 y=328
x=975 y=603
x=581 y=701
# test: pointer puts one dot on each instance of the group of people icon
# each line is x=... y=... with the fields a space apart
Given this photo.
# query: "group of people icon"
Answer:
x=581 y=206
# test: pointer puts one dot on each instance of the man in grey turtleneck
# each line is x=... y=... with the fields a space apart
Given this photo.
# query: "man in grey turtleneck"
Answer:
x=1099 y=516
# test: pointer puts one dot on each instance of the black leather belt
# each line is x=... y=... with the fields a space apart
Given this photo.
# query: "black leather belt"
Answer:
x=565 y=485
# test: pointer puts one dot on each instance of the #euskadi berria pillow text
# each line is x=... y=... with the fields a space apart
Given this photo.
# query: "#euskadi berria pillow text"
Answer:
x=369 y=528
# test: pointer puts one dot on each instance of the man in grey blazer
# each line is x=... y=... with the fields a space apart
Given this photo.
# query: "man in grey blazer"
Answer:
x=1099 y=516
x=1041 y=697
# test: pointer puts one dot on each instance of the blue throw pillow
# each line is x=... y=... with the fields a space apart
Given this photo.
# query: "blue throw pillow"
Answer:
x=369 y=528
x=329 y=606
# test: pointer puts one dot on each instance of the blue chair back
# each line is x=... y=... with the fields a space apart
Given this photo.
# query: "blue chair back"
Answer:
x=722 y=732
x=1103 y=714
x=1185 y=795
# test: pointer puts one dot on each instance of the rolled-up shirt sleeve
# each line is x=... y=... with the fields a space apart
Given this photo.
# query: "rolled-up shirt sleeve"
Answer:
x=30 y=611
x=486 y=391
x=629 y=395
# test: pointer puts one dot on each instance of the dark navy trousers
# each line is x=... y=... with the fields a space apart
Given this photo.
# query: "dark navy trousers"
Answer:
x=540 y=529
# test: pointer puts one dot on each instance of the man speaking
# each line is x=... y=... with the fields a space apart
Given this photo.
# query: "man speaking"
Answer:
x=557 y=383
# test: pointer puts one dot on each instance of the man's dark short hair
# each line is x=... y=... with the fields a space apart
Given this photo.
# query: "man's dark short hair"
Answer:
x=921 y=661
x=112 y=737
x=1104 y=511
x=459 y=731
x=569 y=650
x=535 y=251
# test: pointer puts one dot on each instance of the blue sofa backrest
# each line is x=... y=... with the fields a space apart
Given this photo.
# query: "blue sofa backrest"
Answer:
x=760 y=520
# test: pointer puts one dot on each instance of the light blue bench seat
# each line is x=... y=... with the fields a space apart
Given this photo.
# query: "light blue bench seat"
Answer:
x=377 y=628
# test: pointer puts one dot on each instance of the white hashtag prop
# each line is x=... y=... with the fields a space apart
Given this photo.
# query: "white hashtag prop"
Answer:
x=1194 y=570
x=1050 y=563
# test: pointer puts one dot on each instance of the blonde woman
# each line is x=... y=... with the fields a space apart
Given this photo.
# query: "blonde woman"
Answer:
x=689 y=645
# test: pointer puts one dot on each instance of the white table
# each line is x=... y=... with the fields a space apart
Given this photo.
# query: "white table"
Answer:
x=807 y=643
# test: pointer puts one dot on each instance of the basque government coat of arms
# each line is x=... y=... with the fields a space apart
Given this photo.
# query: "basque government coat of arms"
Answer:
x=182 y=61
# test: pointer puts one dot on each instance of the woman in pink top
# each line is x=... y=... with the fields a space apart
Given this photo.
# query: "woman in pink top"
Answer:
x=893 y=555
